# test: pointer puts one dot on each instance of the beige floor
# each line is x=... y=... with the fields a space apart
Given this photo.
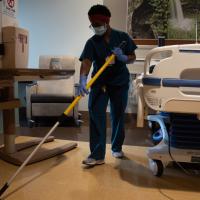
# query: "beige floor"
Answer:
x=64 y=178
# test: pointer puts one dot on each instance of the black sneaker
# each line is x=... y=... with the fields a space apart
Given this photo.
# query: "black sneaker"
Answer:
x=92 y=162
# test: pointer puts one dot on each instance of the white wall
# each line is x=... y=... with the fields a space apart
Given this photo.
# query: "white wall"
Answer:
x=56 y=27
x=61 y=27
x=118 y=10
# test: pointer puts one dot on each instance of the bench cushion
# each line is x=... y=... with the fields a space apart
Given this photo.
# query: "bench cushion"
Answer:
x=49 y=98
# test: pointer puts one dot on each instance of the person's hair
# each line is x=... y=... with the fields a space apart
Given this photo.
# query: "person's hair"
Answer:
x=99 y=10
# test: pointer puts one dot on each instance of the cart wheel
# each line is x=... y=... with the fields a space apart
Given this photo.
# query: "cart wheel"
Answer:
x=78 y=122
x=31 y=123
x=156 y=167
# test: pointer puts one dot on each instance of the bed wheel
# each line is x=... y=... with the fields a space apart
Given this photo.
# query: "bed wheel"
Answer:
x=156 y=167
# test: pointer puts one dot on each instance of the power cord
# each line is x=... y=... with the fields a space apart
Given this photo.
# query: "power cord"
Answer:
x=177 y=163
x=165 y=195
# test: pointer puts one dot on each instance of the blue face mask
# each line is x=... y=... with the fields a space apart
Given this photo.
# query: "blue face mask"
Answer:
x=100 y=30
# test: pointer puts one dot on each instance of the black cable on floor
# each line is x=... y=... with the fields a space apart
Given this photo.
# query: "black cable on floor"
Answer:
x=165 y=195
x=177 y=163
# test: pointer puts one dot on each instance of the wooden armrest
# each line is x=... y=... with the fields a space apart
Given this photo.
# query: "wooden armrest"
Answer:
x=6 y=83
x=6 y=105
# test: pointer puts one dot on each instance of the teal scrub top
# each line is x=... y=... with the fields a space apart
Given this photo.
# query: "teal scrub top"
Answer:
x=97 y=50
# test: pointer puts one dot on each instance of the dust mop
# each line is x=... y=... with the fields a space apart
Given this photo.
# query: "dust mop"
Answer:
x=64 y=115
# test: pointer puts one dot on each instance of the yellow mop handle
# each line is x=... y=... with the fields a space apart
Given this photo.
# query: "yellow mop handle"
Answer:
x=89 y=84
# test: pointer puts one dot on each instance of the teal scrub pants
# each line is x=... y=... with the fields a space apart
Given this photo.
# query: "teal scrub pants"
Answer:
x=98 y=101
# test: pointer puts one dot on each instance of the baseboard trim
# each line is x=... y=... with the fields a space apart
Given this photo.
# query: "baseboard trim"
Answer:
x=128 y=117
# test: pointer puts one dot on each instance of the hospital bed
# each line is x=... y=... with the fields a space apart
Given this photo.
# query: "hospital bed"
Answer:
x=169 y=96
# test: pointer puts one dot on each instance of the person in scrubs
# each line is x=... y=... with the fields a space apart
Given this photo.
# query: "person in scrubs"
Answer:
x=111 y=86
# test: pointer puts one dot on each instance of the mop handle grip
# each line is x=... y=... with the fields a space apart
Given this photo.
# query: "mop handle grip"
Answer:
x=89 y=84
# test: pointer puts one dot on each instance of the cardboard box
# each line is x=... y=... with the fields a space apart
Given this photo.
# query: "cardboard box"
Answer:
x=8 y=14
x=16 y=41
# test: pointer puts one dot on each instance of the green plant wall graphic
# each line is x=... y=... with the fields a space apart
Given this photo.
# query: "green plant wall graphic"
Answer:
x=174 y=19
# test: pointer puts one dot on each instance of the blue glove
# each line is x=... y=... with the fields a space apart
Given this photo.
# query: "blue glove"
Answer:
x=82 y=86
x=120 y=55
